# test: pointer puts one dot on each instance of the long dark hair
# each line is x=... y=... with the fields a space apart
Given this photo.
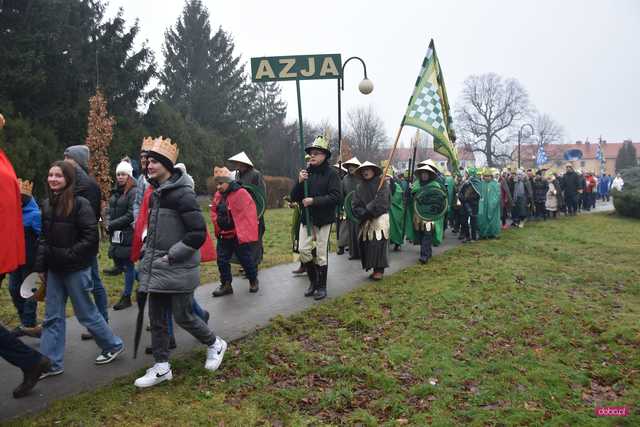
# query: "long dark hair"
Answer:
x=63 y=202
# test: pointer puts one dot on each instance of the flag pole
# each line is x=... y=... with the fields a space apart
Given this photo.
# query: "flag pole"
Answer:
x=393 y=152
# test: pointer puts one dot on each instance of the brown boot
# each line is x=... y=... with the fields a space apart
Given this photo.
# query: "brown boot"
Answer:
x=300 y=270
x=31 y=377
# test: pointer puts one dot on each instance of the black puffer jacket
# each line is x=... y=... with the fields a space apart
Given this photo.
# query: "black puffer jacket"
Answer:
x=87 y=187
x=121 y=219
x=67 y=244
x=324 y=187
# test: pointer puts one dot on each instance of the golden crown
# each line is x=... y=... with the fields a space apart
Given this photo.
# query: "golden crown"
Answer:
x=147 y=143
x=164 y=147
x=26 y=187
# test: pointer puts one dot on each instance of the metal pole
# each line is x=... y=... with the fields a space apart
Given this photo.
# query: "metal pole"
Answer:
x=340 y=122
x=306 y=183
x=519 y=138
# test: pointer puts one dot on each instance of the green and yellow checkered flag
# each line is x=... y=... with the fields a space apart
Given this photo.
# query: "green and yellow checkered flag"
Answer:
x=429 y=107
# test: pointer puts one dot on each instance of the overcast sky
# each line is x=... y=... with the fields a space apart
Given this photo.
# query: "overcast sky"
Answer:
x=577 y=59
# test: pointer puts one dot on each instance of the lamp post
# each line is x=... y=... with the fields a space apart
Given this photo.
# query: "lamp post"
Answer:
x=365 y=87
x=520 y=138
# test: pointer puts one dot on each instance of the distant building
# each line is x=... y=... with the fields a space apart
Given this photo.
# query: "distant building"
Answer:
x=583 y=155
x=402 y=157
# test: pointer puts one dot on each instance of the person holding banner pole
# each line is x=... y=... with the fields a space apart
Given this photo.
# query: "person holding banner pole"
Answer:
x=319 y=199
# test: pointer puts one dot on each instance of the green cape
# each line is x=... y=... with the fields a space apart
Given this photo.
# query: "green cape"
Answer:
x=396 y=216
x=438 y=232
x=489 y=215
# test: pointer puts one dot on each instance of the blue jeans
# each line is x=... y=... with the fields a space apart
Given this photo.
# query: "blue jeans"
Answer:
x=226 y=248
x=77 y=286
x=129 y=275
x=26 y=307
x=99 y=293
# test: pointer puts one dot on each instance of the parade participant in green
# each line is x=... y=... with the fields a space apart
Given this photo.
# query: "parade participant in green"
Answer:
x=371 y=208
x=321 y=200
x=451 y=189
x=396 y=211
x=429 y=204
x=349 y=184
x=469 y=196
x=489 y=213
x=295 y=229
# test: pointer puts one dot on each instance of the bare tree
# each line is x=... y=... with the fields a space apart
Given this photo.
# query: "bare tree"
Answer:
x=488 y=113
x=547 y=130
x=366 y=134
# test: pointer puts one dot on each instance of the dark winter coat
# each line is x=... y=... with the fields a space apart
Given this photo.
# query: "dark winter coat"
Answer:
x=368 y=202
x=176 y=230
x=252 y=177
x=324 y=187
x=87 y=187
x=571 y=182
x=540 y=188
x=67 y=244
x=121 y=219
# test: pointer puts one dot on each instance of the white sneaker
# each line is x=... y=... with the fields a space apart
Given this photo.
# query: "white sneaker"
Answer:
x=155 y=375
x=215 y=353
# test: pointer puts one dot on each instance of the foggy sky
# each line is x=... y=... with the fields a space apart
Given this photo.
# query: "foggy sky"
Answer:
x=577 y=59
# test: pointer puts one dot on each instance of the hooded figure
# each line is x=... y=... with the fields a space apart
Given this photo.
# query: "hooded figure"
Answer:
x=469 y=196
x=371 y=207
x=489 y=213
x=396 y=211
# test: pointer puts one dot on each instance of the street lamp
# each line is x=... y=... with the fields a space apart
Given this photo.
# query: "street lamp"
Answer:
x=365 y=87
x=520 y=139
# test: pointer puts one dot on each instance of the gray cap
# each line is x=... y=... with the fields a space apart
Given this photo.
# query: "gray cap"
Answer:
x=79 y=153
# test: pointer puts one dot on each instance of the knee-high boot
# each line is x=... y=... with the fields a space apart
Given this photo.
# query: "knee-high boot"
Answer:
x=322 y=282
x=312 y=273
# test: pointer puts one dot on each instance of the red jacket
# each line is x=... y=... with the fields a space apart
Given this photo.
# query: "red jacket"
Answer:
x=590 y=184
x=243 y=211
x=12 y=251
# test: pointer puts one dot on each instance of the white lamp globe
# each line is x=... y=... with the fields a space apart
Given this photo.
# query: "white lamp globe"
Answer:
x=365 y=86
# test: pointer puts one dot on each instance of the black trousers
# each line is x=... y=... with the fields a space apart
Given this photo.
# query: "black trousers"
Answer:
x=16 y=352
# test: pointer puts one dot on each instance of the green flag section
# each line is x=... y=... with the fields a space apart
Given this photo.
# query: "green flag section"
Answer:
x=489 y=220
x=429 y=108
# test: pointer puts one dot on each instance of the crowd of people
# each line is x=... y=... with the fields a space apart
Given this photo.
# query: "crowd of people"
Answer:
x=158 y=237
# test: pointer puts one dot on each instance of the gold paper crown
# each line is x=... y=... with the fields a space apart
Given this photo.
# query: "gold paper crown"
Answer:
x=26 y=187
x=147 y=143
x=163 y=146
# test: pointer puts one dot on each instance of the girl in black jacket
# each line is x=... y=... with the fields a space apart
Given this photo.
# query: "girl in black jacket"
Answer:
x=68 y=242
x=120 y=229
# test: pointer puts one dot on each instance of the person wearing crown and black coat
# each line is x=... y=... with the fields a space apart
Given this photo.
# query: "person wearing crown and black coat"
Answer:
x=323 y=197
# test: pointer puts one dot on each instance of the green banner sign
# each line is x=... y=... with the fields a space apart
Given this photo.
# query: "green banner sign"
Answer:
x=299 y=67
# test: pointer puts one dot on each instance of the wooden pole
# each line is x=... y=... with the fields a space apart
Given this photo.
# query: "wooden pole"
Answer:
x=393 y=152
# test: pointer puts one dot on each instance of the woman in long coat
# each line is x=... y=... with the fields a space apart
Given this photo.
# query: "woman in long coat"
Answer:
x=371 y=207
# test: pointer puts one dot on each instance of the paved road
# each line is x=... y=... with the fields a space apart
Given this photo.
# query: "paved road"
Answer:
x=233 y=317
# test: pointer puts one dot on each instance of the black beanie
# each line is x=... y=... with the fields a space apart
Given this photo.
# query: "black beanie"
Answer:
x=168 y=164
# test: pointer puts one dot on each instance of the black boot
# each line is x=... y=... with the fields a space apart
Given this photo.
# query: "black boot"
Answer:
x=223 y=289
x=31 y=377
x=340 y=250
x=321 y=293
x=312 y=273
x=125 y=302
x=254 y=285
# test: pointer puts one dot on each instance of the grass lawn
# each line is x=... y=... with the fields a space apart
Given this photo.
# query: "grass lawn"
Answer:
x=277 y=245
x=538 y=327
